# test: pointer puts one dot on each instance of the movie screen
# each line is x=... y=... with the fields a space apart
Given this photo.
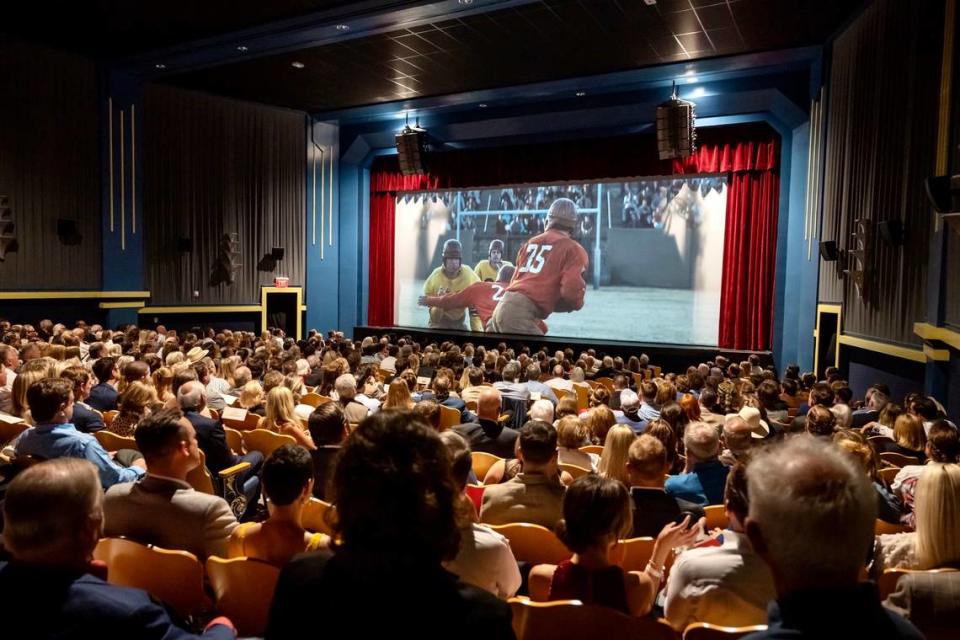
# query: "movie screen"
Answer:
x=633 y=260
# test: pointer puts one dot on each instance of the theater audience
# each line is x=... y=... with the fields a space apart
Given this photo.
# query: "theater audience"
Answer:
x=704 y=476
x=103 y=396
x=484 y=558
x=328 y=428
x=596 y=515
x=135 y=402
x=653 y=509
x=53 y=515
x=799 y=491
x=282 y=418
x=390 y=546
x=572 y=434
x=943 y=445
x=162 y=508
x=288 y=484
x=534 y=495
x=85 y=418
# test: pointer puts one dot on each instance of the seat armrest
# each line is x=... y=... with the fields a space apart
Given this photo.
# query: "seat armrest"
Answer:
x=234 y=470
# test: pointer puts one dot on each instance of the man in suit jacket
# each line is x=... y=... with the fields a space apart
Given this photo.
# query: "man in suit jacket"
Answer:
x=192 y=398
x=103 y=397
x=85 y=419
x=653 y=508
x=487 y=434
x=162 y=508
x=48 y=587
x=535 y=495
x=931 y=601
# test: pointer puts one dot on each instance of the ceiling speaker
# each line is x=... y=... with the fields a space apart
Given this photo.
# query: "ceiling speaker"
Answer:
x=412 y=151
x=892 y=232
x=676 y=128
x=829 y=250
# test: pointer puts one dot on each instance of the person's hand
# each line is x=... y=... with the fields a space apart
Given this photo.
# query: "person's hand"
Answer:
x=422 y=301
x=678 y=534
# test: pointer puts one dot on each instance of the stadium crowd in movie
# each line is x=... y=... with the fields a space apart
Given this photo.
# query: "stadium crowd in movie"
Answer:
x=634 y=260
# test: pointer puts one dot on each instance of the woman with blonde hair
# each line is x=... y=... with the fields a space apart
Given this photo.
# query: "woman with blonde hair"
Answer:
x=227 y=367
x=909 y=438
x=163 y=384
x=251 y=398
x=55 y=351
x=935 y=543
x=18 y=392
x=613 y=460
x=600 y=419
x=282 y=418
x=398 y=396
x=136 y=401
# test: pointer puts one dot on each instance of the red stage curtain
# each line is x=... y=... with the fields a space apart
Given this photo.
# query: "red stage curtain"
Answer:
x=749 y=153
x=380 y=307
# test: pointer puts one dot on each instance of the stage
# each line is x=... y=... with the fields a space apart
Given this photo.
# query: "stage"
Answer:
x=671 y=357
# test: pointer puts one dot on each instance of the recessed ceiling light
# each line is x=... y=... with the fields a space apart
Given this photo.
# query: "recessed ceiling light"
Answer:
x=343 y=27
x=296 y=64
x=465 y=2
x=580 y=94
x=482 y=105
x=160 y=65
x=699 y=92
x=689 y=72
x=242 y=48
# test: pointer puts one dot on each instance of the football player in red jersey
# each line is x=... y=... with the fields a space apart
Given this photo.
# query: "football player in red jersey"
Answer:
x=481 y=297
x=549 y=276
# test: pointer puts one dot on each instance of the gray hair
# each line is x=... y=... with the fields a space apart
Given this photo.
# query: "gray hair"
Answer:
x=577 y=375
x=702 y=440
x=346 y=382
x=815 y=510
x=541 y=410
x=241 y=376
x=191 y=395
x=629 y=399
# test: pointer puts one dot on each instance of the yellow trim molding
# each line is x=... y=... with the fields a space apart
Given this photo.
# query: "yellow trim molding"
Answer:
x=829 y=308
x=43 y=295
x=916 y=355
x=240 y=308
x=937 y=355
x=122 y=305
x=928 y=331
x=295 y=290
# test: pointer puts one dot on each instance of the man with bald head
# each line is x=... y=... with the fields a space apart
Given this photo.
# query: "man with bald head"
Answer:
x=192 y=398
x=487 y=434
x=800 y=491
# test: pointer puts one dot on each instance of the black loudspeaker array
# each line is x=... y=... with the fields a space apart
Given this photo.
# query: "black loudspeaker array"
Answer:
x=676 y=128
x=412 y=151
x=8 y=229
x=829 y=251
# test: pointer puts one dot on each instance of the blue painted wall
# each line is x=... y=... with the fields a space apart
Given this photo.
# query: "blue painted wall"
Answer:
x=322 y=294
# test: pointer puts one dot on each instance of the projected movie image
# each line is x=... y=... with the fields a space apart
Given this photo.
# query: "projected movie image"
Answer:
x=635 y=260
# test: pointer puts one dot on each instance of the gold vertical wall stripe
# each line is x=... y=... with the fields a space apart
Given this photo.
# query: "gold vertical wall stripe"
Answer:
x=946 y=73
x=330 y=203
x=322 y=210
x=313 y=157
x=110 y=153
x=123 y=184
x=133 y=169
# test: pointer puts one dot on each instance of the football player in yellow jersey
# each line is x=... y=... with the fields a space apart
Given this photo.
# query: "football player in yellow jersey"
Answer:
x=452 y=277
x=488 y=269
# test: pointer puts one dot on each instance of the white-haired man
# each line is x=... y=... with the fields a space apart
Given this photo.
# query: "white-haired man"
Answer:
x=628 y=414
x=541 y=410
x=549 y=275
x=704 y=476
x=811 y=519
x=353 y=410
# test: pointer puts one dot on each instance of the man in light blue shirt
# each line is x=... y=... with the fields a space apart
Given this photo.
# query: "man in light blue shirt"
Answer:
x=51 y=406
x=535 y=386
x=704 y=477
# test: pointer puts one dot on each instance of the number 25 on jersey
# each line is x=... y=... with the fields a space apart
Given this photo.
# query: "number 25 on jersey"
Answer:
x=536 y=257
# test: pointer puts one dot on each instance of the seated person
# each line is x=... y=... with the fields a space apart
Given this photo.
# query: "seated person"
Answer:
x=573 y=433
x=488 y=434
x=85 y=418
x=484 y=559
x=51 y=404
x=721 y=581
x=53 y=515
x=909 y=438
x=162 y=508
x=103 y=395
x=135 y=402
x=704 y=476
x=391 y=546
x=653 y=509
x=282 y=418
x=288 y=483
x=596 y=515
x=328 y=429
x=535 y=495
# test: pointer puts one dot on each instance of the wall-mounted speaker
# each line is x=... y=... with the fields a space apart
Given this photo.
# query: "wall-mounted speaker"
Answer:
x=943 y=193
x=68 y=232
x=412 y=151
x=892 y=232
x=277 y=253
x=184 y=245
x=829 y=250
